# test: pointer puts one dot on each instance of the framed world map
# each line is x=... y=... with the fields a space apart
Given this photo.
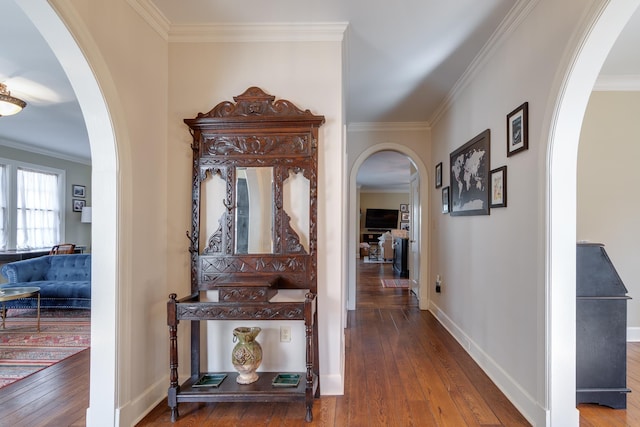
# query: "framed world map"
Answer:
x=470 y=180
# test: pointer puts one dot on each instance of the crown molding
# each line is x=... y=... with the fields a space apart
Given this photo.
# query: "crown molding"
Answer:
x=397 y=189
x=516 y=16
x=387 y=126
x=152 y=16
x=256 y=33
x=44 y=152
x=238 y=33
x=617 y=83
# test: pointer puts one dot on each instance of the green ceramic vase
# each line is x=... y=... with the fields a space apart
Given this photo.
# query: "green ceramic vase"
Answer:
x=247 y=354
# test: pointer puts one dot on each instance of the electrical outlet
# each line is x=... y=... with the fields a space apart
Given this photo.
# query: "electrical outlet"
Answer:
x=285 y=333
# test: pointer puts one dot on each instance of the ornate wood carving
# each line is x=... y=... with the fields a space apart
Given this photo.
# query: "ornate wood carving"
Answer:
x=240 y=311
x=254 y=102
x=255 y=131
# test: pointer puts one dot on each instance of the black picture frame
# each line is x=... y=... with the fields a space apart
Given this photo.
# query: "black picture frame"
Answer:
x=405 y=216
x=404 y=226
x=78 y=191
x=439 y=175
x=518 y=130
x=78 y=204
x=499 y=187
x=445 y=200
x=404 y=207
x=469 y=176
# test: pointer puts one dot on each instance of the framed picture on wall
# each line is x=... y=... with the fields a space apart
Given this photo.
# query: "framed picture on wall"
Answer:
x=404 y=207
x=469 y=179
x=518 y=130
x=78 y=191
x=404 y=226
x=404 y=217
x=439 y=175
x=499 y=187
x=445 y=200
x=78 y=205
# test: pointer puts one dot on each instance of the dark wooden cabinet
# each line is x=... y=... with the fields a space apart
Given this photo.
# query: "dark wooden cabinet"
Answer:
x=400 y=256
x=249 y=267
x=601 y=329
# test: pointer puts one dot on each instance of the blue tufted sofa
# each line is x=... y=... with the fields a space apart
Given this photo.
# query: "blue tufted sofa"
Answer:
x=64 y=280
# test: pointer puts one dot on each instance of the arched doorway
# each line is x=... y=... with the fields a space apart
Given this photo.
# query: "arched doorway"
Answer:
x=103 y=392
x=569 y=107
x=422 y=220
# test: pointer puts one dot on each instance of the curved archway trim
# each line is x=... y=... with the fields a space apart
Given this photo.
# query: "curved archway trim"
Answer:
x=423 y=219
x=608 y=20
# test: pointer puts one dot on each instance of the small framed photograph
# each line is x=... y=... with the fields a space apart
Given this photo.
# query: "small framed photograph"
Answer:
x=404 y=217
x=404 y=226
x=78 y=191
x=445 y=200
x=439 y=175
x=78 y=205
x=499 y=187
x=518 y=130
x=404 y=207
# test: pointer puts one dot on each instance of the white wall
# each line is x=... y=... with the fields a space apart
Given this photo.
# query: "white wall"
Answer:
x=130 y=65
x=309 y=75
x=608 y=180
x=493 y=267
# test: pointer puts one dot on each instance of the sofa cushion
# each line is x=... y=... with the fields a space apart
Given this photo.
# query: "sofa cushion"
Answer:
x=69 y=268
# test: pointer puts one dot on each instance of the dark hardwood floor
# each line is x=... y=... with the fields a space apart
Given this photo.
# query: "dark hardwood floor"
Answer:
x=57 y=396
x=402 y=369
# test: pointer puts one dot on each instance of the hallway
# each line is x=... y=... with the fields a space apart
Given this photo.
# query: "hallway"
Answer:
x=394 y=376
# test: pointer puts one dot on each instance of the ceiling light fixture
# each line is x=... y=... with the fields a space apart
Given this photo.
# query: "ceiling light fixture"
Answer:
x=9 y=105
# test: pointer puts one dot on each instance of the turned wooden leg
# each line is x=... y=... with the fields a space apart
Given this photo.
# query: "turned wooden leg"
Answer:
x=172 y=321
x=309 y=417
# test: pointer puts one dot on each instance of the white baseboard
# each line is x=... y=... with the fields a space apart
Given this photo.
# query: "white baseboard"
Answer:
x=525 y=403
x=331 y=385
x=135 y=410
x=633 y=334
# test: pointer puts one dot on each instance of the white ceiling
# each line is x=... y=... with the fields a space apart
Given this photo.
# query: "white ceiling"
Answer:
x=403 y=58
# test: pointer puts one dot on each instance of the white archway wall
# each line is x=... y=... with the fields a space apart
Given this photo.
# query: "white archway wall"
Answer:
x=130 y=286
x=599 y=32
x=412 y=140
x=494 y=267
x=104 y=184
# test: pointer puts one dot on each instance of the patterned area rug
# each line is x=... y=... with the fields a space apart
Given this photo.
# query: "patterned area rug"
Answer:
x=395 y=283
x=24 y=351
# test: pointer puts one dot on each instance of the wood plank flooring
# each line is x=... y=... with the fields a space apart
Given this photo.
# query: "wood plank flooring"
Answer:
x=53 y=397
x=402 y=369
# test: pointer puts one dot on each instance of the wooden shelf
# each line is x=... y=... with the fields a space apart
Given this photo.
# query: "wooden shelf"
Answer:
x=260 y=391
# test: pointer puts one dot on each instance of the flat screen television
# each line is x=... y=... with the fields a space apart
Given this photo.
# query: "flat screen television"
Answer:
x=386 y=219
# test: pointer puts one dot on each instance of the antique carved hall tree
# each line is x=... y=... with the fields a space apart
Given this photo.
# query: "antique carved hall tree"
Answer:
x=252 y=238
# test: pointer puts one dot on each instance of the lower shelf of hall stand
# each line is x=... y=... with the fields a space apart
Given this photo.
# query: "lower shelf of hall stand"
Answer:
x=260 y=391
